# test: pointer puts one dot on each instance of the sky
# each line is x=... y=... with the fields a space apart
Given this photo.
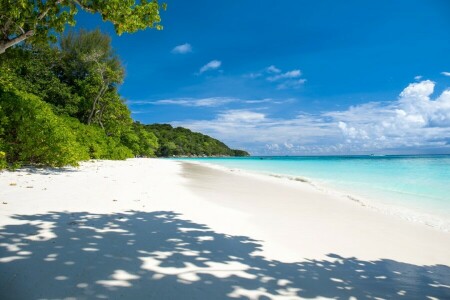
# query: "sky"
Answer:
x=295 y=77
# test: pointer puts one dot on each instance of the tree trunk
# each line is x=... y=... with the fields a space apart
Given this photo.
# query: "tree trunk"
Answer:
x=102 y=109
x=94 y=105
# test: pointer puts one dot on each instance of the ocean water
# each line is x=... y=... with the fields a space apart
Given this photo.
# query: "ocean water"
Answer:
x=408 y=184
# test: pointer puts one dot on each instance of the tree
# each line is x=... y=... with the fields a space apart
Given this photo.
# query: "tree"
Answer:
x=37 y=20
x=89 y=63
x=37 y=70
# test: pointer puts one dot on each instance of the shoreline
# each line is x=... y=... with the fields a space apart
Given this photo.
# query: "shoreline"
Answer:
x=430 y=219
x=338 y=220
x=152 y=228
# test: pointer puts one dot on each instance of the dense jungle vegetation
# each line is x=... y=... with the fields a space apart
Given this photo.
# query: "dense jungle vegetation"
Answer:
x=59 y=105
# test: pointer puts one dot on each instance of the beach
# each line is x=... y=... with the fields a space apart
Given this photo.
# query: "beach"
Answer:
x=164 y=229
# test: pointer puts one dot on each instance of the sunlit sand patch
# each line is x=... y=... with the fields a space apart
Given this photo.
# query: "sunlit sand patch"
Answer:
x=10 y=259
x=190 y=272
x=104 y=230
x=90 y=249
x=120 y=278
x=44 y=233
x=184 y=230
x=61 y=278
x=260 y=293
x=11 y=247
x=205 y=238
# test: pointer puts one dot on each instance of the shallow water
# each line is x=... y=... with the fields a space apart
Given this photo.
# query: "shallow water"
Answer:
x=420 y=183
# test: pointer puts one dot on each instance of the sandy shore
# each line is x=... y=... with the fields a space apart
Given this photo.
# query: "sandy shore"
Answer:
x=160 y=229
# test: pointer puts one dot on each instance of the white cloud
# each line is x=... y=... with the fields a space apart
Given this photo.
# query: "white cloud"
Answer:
x=212 y=65
x=413 y=121
x=420 y=90
x=291 y=84
x=286 y=80
x=208 y=102
x=182 y=49
x=253 y=75
x=418 y=77
x=445 y=73
x=273 y=147
x=266 y=100
x=254 y=130
x=194 y=102
x=289 y=74
x=246 y=116
x=273 y=69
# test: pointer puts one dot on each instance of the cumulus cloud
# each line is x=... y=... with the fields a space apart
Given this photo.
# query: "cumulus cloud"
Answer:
x=445 y=73
x=182 y=49
x=414 y=120
x=212 y=65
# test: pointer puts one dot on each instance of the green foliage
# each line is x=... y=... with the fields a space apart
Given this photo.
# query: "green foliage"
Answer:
x=90 y=66
x=142 y=142
x=39 y=20
x=3 y=162
x=93 y=141
x=183 y=142
x=60 y=105
x=32 y=133
x=237 y=152
x=3 y=123
x=35 y=70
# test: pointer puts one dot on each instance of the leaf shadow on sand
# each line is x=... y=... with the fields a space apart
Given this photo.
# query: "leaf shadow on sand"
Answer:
x=159 y=255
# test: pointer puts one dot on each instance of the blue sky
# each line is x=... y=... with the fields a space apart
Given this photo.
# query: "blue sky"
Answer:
x=295 y=77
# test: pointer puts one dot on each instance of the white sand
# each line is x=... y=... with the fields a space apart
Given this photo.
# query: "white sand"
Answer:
x=160 y=229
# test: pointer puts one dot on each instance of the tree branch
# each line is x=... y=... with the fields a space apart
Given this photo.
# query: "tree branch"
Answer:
x=14 y=41
x=84 y=6
x=5 y=44
x=45 y=12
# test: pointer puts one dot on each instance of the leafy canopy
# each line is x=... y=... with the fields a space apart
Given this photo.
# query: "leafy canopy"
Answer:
x=40 y=19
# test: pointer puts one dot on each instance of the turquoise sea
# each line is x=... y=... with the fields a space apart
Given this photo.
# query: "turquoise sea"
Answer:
x=420 y=183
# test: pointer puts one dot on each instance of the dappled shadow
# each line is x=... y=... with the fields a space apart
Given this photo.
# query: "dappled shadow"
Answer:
x=47 y=170
x=158 y=255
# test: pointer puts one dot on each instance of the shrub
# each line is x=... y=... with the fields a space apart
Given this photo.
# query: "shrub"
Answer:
x=3 y=163
x=32 y=133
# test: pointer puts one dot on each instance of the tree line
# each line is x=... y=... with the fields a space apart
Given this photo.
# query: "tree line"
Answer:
x=59 y=104
x=181 y=141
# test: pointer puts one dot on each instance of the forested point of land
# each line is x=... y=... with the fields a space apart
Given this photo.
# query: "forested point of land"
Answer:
x=59 y=105
x=181 y=141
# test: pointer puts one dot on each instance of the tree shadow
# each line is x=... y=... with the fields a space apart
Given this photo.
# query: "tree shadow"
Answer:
x=158 y=255
x=47 y=170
